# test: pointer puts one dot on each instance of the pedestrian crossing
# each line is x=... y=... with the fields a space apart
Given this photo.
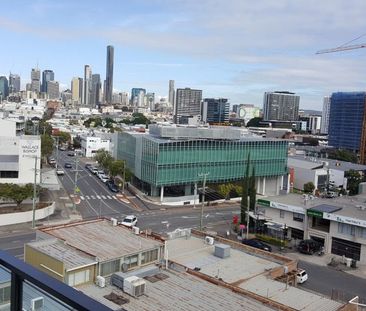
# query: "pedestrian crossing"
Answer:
x=98 y=197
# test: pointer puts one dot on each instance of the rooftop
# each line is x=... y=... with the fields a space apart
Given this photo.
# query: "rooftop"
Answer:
x=71 y=257
x=101 y=239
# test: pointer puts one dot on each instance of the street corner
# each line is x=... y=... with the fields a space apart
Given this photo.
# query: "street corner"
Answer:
x=75 y=199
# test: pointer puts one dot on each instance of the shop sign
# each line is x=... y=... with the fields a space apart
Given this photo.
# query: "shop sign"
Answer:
x=314 y=213
x=289 y=208
x=264 y=202
x=346 y=220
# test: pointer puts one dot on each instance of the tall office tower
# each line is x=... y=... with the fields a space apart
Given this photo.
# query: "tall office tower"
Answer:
x=14 y=83
x=53 y=90
x=150 y=100
x=47 y=75
x=96 y=91
x=77 y=89
x=35 y=80
x=108 y=91
x=171 y=93
x=4 y=88
x=187 y=105
x=87 y=85
x=281 y=106
x=347 y=126
x=138 y=97
x=215 y=110
x=124 y=98
x=325 y=115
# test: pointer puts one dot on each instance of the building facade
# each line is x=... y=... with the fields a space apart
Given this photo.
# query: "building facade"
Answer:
x=4 y=88
x=53 y=90
x=47 y=75
x=187 y=105
x=138 y=97
x=171 y=157
x=108 y=91
x=87 y=85
x=281 y=106
x=91 y=144
x=347 y=128
x=215 y=110
x=96 y=91
x=77 y=89
x=325 y=115
x=14 y=83
x=171 y=96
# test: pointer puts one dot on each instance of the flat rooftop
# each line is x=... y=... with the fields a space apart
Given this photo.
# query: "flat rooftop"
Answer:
x=179 y=291
x=101 y=239
x=350 y=206
x=55 y=248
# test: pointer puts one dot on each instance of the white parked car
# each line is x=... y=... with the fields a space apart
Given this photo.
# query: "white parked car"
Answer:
x=129 y=221
x=60 y=172
x=301 y=276
x=104 y=178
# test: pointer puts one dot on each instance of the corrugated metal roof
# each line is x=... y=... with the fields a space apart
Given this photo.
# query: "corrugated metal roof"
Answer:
x=57 y=249
x=102 y=240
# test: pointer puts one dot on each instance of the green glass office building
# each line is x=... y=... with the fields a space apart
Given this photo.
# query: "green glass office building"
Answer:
x=170 y=156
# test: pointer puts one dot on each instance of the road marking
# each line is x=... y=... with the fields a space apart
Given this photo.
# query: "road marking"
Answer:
x=87 y=197
x=109 y=197
x=114 y=197
x=165 y=222
x=98 y=197
x=103 y=197
x=92 y=197
x=82 y=197
x=64 y=198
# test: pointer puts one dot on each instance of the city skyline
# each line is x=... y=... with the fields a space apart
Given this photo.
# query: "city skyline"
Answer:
x=236 y=51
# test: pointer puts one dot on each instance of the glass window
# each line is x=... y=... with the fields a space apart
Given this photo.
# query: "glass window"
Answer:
x=282 y=214
x=149 y=256
x=108 y=268
x=298 y=217
x=131 y=261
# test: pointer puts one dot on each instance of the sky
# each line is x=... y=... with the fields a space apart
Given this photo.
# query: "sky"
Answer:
x=237 y=49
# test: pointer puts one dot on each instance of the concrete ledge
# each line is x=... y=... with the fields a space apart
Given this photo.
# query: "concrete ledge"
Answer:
x=22 y=217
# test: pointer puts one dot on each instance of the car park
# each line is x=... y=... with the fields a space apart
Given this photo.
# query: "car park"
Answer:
x=112 y=186
x=301 y=276
x=129 y=221
x=309 y=246
x=60 y=172
x=258 y=244
x=67 y=165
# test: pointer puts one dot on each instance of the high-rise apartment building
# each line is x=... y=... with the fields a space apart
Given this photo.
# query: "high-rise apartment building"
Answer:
x=47 y=75
x=138 y=97
x=347 y=128
x=280 y=106
x=4 y=88
x=14 y=83
x=325 y=115
x=215 y=110
x=77 y=89
x=150 y=99
x=53 y=90
x=35 y=80
x=187 y=105
x=96 y=91
x=108 y=91
x=171 y=96
x=87 y=85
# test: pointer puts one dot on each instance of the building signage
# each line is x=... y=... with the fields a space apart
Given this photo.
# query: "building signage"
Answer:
x=29 y=147
x=346 y=220
x=281 y=206
x=314 y=213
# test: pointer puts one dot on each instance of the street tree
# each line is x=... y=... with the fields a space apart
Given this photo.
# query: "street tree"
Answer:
x=354 y=178
x=244 y=195
x=63 y=137
x=252 y=191
x=309 y=187
x=16 y=192
x=46 y=145
x=116 y=168
x=104 y=158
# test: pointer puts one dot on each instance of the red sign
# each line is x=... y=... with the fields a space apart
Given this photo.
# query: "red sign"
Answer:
x=242 y=227
x=235 y=219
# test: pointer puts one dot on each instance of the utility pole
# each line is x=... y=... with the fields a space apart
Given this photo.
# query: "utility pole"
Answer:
x=76 y=178
x=204 y=175
x=124 y=176
x=34 y=194
x=248 y=217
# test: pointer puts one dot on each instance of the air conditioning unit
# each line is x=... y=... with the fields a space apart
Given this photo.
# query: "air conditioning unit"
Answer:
x=136 y=230
x=209 y=240
x=37 y=304
x=134 y=286
x=100 y=281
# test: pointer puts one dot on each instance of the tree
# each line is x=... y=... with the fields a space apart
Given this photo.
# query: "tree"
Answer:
x=309 y=187
x=139 y=118
x=244 y=195
x=255 y=122
x=63 y=137
x=341 y=155
x=116 y=168
x=252 y=191
x=354 y=178
x=44 y=127
x=16 y=192
x=46 y=145
x=104 y=158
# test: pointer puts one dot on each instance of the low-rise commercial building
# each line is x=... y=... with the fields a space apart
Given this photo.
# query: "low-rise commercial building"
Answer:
x=91 y=144
x=339 y=224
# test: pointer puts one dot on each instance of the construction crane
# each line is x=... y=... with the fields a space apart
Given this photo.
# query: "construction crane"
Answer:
x=342 y=48
x=347 y=47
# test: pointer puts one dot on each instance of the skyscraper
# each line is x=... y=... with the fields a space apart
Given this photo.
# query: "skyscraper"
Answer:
x=325 y=115
x=171 y=93
x=138 y=97
x=77 y=89
x=281 y=106
x=35 y=80
x=215 y=110
x=150 y=99
x=4 y=88
x=47 y=75
x=14 y=83
x=87 y=85
x=53 y=90
x=95 y=92
x=108 y=91
x=187 y=105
